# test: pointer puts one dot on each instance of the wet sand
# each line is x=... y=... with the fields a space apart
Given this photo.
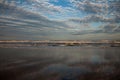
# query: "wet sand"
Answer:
x=49 y=64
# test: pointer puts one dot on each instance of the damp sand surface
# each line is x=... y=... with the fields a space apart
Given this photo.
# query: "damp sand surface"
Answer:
x=60 y=63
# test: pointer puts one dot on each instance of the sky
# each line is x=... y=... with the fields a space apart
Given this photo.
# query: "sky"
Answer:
x=59 y=19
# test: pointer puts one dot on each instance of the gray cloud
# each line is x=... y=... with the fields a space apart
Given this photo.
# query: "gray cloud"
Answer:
x=111 y=28
x=114 y=6
x=34 y=5
x=97 y=18
x=97 y=6
x=21 y=22
x=104 y=11
x=90 y=6
x=108 y=28
x=17 y=14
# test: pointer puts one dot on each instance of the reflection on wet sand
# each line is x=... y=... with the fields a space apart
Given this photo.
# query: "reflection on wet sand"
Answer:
x=59 y=63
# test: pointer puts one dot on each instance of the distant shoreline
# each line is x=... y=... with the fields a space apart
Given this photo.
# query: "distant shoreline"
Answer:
x=79 y=43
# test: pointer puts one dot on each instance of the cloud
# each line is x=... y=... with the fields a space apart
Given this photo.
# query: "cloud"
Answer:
x=108 y=28
x=21 y=22
x=111 y=28
x=44 y=7
x=90 y=6
x=34 y=5
x=97 y=18
x=43 y=18
x=114 y=6
x=17 y=14
x=98 y=7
